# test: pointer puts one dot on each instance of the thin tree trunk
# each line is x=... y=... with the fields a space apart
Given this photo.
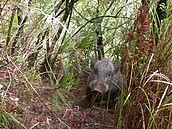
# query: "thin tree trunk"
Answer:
x=10 y=26
x=100 y=49
x=21 y=23
x=161 y=15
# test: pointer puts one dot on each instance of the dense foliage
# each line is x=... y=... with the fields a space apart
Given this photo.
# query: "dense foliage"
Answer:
x=47 y=46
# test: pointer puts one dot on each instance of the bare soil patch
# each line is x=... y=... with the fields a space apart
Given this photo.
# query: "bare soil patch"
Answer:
x=37 y=113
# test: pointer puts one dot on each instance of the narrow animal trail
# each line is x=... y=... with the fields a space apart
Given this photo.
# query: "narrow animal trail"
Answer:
x=91 y=117
x=33 y=113
x=79 y=117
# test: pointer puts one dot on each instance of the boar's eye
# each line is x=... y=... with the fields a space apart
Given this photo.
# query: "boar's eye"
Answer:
x=109 y=74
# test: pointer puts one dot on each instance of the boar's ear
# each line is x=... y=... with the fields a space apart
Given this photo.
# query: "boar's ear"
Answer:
x=117 y=67
x=92 y=63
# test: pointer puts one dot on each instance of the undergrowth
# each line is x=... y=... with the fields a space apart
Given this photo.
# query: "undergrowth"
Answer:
x=39 y=65
x=147 y=72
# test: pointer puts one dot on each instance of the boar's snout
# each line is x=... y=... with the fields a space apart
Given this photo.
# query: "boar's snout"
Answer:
x=100 y=86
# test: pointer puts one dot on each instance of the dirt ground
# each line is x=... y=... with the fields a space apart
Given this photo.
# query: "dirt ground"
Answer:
x=35 y=111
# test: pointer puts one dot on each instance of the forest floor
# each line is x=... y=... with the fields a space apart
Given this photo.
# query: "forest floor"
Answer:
x=37 y=110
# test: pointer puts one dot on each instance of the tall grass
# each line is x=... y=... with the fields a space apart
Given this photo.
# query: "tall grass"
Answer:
x=32 y=29
x=148 y=77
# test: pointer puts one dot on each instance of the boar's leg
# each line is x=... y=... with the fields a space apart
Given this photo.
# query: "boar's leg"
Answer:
x=113 y=99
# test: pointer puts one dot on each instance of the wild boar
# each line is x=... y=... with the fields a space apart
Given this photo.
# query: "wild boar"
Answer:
x=104 y=83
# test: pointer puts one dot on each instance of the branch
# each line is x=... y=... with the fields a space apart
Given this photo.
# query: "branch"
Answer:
x=80 y=14
x=1 y=9
x=92 y=20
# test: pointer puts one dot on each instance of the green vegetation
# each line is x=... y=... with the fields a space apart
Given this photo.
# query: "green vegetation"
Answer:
x=46 y=47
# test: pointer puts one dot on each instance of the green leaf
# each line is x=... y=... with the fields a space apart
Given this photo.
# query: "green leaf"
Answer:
x=87 y=41
x=67 y=81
